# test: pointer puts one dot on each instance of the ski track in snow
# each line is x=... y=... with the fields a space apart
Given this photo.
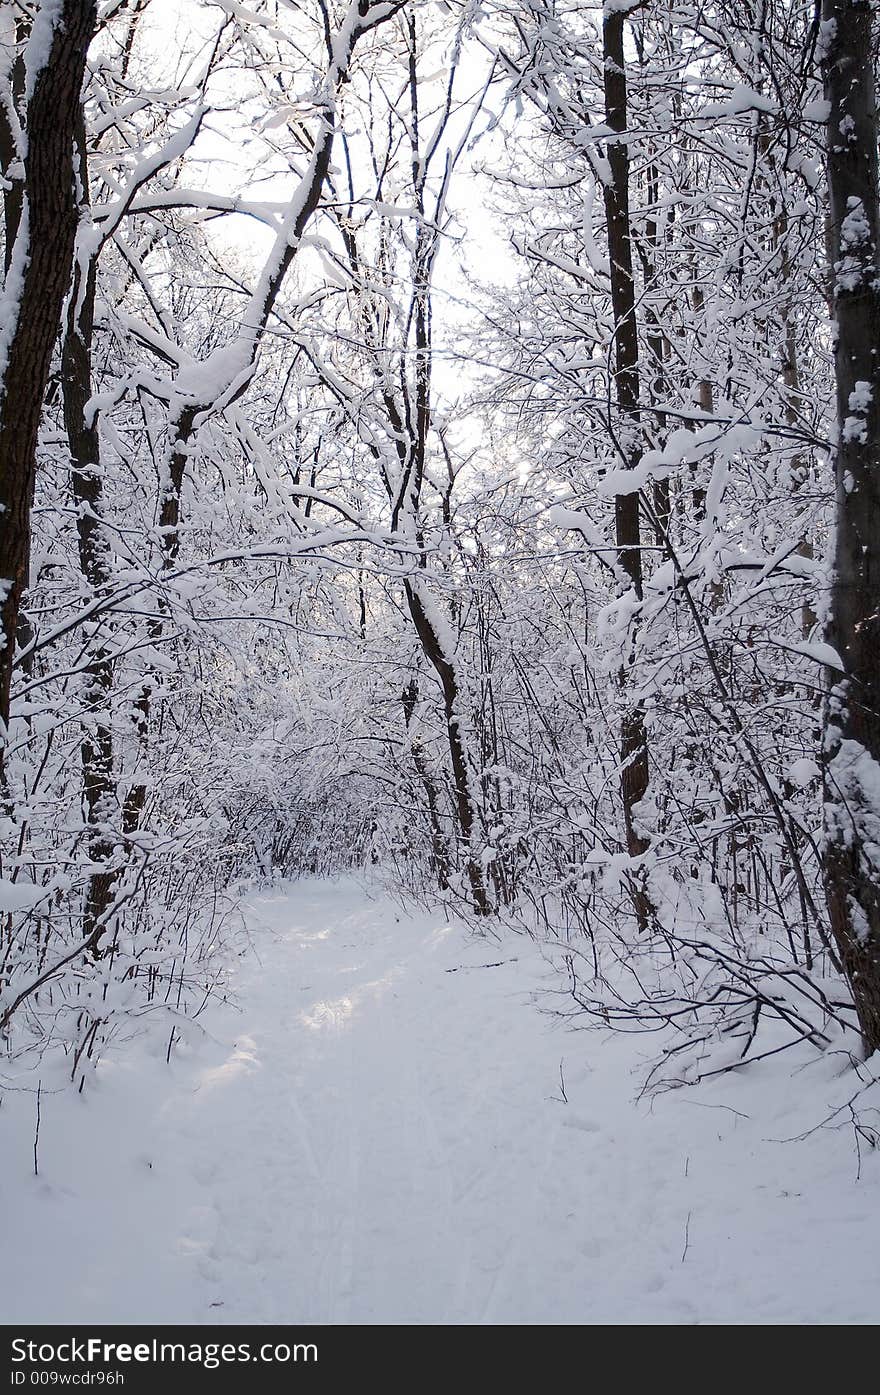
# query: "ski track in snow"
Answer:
x=368 y=1138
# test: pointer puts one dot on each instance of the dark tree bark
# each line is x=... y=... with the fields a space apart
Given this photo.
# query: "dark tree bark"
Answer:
x=852 y=719
x=633 y=742
x=99 y=788
x=656 y=345
x=10 y=165
x=464 y=802
x=439 y=850
x=42 y=258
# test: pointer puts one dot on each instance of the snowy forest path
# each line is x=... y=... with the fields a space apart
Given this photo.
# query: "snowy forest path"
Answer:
x=394 y=1123
x=398 y=1143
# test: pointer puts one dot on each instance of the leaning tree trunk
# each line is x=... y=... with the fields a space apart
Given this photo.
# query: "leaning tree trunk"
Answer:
x=38 y=278
x=633 y=743
x=465 y=802
x=439 y=850
x=852 y=718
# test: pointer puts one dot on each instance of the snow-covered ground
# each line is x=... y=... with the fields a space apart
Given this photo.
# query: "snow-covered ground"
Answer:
x=377 y=1133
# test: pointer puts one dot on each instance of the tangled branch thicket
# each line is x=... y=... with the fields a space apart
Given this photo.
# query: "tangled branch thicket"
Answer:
x=448 y=489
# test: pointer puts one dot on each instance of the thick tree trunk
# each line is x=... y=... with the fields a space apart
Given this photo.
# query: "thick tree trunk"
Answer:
x=655 y=341
x=852 y=721
x=99 y=788
x=464 y=801
x=36 y=284
x=634 y=744
x=10 y=164
x=439 y=850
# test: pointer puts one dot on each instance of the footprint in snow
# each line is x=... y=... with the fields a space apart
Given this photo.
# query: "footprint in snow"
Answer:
x=573 y=1121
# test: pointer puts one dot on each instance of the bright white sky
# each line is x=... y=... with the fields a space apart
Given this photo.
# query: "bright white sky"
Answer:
x=231 y=157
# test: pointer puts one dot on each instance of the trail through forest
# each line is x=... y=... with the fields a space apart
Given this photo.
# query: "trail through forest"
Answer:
x=394 y=1124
